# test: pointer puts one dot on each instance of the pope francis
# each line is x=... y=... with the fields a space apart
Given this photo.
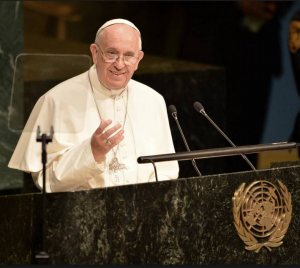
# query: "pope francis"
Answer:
x=122 y=120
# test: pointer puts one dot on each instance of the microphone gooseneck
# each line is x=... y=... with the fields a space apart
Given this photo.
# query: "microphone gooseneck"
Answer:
x=173 y=111
x=199 y=108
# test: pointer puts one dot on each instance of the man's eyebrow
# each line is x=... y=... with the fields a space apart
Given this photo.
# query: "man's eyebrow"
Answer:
x=113 y=48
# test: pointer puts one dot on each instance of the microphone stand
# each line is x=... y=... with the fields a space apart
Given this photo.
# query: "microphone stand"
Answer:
x=223 y=134
x=186 y=145
x=218 y=152
x=199 y=108
x=42 y=257
x=155 y=171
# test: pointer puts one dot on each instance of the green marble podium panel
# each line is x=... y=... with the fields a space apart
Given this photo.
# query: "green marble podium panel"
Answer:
x=185 y=221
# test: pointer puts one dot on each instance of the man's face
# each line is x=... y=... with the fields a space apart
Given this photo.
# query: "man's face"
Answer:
x=122 y=40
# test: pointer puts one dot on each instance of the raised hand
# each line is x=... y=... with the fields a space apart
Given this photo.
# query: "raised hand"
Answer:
x=102 y=141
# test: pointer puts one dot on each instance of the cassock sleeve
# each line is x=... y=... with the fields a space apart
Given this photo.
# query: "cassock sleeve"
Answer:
x=72 y=169
x=70 y=162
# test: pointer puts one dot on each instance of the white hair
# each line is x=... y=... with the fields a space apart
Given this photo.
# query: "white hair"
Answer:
x=118 y=21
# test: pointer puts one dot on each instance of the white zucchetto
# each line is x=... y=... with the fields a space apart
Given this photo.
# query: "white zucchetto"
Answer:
x=117 y=21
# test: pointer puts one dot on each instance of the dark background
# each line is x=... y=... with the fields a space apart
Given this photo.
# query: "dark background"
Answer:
x=210 y=32
x=206 y=32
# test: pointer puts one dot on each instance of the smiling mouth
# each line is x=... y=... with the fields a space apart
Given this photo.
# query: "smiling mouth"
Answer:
x=116 y=73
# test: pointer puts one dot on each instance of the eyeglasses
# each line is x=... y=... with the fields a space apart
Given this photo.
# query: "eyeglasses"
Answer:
x=112 y=56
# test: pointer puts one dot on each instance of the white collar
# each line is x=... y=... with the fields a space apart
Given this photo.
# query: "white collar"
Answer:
x=100 y=87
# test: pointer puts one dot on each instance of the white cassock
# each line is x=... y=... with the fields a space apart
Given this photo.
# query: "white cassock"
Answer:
x=70 y=108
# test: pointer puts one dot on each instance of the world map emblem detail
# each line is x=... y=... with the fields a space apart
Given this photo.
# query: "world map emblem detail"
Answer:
x=262 y=214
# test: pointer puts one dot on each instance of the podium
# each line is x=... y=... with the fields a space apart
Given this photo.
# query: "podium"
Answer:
x=183 y=221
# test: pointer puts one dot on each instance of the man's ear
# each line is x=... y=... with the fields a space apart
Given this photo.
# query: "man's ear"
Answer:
x=94 y=51
x=141 y=56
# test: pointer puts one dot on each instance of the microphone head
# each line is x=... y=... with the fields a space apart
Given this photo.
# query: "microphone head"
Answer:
x=172 y=109
x=198 y=106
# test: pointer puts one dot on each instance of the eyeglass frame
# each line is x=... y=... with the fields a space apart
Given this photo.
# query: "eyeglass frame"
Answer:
x=105 y=57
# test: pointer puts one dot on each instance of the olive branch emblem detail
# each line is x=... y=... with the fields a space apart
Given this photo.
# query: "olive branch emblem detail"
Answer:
x=262 y=211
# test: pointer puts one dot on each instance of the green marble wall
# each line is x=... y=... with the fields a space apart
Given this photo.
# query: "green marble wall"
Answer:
x=11 y=44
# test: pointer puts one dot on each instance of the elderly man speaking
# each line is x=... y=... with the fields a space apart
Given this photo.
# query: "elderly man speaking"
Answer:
x=123 y=119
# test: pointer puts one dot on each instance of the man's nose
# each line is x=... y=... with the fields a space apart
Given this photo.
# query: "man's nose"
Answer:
x=119 y=63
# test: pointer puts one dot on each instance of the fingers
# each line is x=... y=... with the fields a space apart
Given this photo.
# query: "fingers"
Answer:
x=102 y=142
x=111 y=131
x=116 y=139
x=103 y=126
x=101 y=129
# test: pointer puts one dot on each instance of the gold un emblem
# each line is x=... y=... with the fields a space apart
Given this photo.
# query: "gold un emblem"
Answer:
x=262 y=214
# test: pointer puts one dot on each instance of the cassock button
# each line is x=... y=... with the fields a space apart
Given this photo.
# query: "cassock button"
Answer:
x=118 y=109
x=124 y=156
x=123 y=144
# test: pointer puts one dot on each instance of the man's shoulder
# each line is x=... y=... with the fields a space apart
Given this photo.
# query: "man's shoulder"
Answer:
x=70 y=86
x=141 y=88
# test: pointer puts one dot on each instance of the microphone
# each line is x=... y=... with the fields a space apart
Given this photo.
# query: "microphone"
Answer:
x=199 y=108
x=173 y=111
